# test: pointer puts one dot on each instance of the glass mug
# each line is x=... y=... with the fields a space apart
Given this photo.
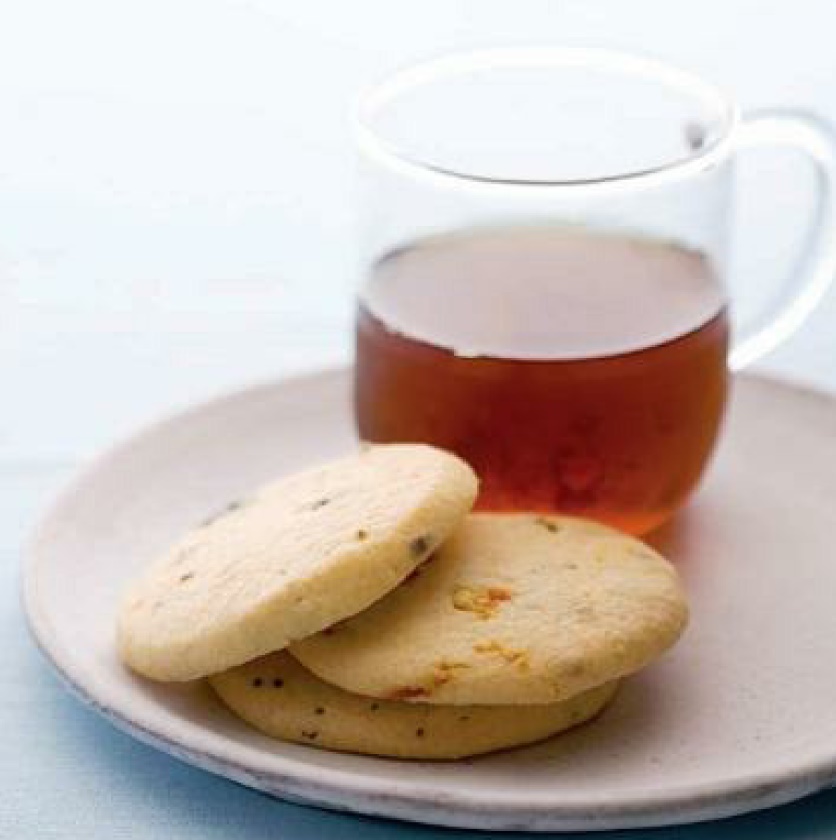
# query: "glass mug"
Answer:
x=544 y=248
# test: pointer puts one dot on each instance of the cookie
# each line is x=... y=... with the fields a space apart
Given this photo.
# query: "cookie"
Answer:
x=514 y=608
x=303 y=553
x=276 y=695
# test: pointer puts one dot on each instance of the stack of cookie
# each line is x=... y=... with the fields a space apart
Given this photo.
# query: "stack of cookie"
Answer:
x=361 y=607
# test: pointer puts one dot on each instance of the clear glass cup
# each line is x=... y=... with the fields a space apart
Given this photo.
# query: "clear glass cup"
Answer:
x=544 y=246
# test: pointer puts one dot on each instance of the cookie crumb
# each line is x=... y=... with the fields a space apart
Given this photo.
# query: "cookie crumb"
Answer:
x=362 y=535
x=548 y=524
x=319 y=710
x=445 y=671
x=224 y=511
x=419 y=733
x=482 y=601
x=520 y=658
x=187 y=576
x=419 y=546
x=407 y=692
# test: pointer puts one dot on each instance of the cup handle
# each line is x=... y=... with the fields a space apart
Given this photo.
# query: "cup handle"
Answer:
x=814 y=271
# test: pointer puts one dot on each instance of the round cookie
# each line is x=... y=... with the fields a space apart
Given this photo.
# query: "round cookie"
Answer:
x=276 y=695
x=304 y=552
x=514 y=608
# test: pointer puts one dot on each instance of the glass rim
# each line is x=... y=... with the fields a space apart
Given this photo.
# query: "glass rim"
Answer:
x=397 y=157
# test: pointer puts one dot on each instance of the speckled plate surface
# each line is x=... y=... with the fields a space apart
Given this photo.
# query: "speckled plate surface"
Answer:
x=738 y=717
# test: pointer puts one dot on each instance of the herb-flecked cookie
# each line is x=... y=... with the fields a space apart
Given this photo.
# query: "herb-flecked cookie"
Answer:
x=514 y=608
x=305 y=552
x=276 y=695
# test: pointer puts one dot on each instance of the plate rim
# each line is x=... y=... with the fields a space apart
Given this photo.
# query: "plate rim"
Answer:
x=345 y=790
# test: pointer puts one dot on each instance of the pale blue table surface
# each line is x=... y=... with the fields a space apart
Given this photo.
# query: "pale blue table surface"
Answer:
x=176 y=225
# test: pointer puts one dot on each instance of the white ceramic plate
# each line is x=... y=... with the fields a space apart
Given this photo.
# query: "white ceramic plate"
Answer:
x=739 y=717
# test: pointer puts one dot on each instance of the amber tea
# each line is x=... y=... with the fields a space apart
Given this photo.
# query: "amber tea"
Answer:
x=577 y=372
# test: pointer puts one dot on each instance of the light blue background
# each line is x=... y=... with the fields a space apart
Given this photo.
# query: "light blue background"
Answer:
x=175 y=218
